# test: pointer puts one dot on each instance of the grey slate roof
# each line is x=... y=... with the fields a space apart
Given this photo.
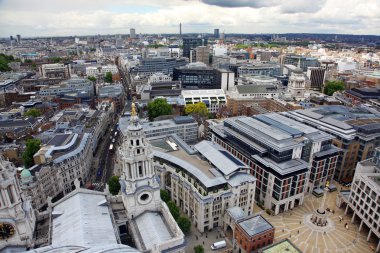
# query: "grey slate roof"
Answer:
x=255 y=225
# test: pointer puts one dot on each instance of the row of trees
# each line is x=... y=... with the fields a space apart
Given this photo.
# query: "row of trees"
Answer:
x=183 y=221
x=160 y=107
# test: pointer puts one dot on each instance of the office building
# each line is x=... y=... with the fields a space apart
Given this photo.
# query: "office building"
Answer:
x=245 y=105
x=253 y=233
x=331 y=69
x=363 y=95
x=316 y=76
x=257 y=80
x=56 y=70
x=199 y=76
x=204 y=181
x=132 y=33
x=17 y=218
x=185 y=127
x=216 y=33
x=73 y=85
x=191 y=43
x=356 y=132
x=253 y=92
x=153 y=227
x=288 y=158
x=101 y=71
x=151 y=66
x=113 y=93
x=303 y=61
x=203 y=54
x=214 y=99
x=258 y=70
x=364 y=197
x=18 y=38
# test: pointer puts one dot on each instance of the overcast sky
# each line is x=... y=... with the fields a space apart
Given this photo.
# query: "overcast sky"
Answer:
x=83 y=17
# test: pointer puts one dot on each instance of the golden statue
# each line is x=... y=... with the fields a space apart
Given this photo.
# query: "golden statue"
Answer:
x=133 y=109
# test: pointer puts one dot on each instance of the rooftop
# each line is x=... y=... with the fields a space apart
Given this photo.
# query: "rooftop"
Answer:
x=255 y=225
x=214 y=92
x=280 y=247
x=82 y=219
x=256 y=89
x=152 y=229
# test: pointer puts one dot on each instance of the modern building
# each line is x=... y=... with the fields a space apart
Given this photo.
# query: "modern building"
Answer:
x=258 y=70
x=185 y=127
x=203 y=180
x=216 y=33
x=305 y=62
x=101 y=71
x=363 y=95
x=202 y=54
x=316 y=76
x=356 y=131
x=253 y=233
x=254 y=92
x=17 y=218
x=73 y=85
x=57 y=70
x=191 y=43
x=149 y=219
x=364 y=197
x=257 y=80
x=200 y=76
x=249 y=106
x=331 y=69
x=113 y=93
x=214 y=99
x=151 y=66
x=132 y=33
x=288 y=158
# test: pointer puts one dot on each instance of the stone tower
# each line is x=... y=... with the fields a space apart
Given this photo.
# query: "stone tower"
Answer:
x=17 y=218
x=140 y=190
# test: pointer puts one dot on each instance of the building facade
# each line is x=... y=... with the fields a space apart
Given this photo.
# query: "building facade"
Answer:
x=213 y=99
x=287 y=158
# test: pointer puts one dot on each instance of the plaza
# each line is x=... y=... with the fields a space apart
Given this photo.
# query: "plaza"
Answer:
x=335 y=237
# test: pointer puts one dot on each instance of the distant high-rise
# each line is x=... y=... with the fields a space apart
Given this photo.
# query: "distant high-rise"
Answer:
x=132 y=33
x=11 y=37
x=18 y=38
x=192 y=43
x=216 y=33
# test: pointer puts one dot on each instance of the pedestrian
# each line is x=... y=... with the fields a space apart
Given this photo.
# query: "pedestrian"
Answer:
x=298 y=231
x=300 y=222
x=203 y=242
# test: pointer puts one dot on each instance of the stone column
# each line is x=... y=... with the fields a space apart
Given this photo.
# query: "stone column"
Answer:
x=361 y=225
x=378 y=247
x=345 y=212
x=369 y=235
x=276 y=210
x=353 y=218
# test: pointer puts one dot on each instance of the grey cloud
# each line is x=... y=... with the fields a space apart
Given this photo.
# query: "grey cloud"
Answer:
x=287 y=6
x=240 y=3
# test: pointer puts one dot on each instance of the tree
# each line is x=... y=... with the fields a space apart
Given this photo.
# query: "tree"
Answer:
x=174 y=210
x=33 y=112
x=32 y=146
x=4 y=60
x=159 y=107
x=333 y=86
x=199 y=249
x=114 y=185
x=199 y=111
x=108 y=77
x=92 y=78
x=165 y=196
x=184 y=224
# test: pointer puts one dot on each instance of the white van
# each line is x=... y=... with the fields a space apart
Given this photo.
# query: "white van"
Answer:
x=219 y=245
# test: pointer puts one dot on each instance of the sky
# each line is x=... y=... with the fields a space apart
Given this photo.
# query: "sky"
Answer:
x=87 y=17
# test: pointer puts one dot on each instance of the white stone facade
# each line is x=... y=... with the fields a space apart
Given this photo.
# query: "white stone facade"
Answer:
x=17 y=217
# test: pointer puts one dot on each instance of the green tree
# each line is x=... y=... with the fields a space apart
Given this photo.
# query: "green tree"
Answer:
x=159 y=107
x=199 y=111
x=333 y=86
x=92 y=78
x=108 y=77
x=32 y=146
x=34 y=66
x=174 y=210
x=56 y=59
x=199 y=249
x=184 y=224
x=114 y=185
x=4 y=60
x=165 y=196
x=33 y=112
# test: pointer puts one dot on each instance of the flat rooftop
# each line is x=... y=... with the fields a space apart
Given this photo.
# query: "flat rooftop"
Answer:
x=281 y=247
x=255 y=225
x=83 y=219
x=153 y=229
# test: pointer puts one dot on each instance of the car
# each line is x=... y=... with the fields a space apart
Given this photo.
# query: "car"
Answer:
x=218 y=245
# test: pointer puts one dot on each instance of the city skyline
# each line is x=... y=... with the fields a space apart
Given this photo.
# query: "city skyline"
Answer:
x=42 y=18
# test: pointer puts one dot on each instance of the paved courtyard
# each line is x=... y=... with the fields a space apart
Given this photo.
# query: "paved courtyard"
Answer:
x=310 y=239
